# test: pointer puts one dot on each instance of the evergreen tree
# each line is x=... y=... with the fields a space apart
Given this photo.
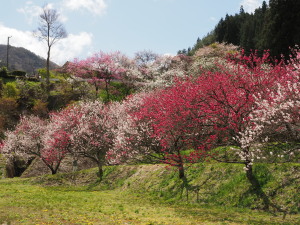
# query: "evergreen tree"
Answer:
x=275 y=27
x=247 y=35
x=282 y=26
x=220 y=30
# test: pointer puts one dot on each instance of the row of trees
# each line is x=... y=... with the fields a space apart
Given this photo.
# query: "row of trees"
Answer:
x=246 y=105
x=108 y=76
x=272 y=26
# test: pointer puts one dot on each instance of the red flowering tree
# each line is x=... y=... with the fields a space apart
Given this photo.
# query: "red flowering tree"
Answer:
x=210 y=110
x=170 y=116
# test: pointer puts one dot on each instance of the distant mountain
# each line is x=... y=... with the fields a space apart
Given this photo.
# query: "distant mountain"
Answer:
x=22 y=59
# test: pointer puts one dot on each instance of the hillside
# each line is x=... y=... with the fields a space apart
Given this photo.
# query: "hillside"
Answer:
x=22 y=59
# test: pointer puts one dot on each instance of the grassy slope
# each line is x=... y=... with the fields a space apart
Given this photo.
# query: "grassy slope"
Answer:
x=150 y=194
x=218 y=184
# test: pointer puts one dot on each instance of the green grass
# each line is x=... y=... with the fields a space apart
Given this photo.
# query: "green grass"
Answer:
x=22 y=202
x=214 y=184
x=2 y=165
x=151 y=194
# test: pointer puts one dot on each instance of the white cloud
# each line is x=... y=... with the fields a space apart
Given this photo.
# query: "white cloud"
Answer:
x=212 y=18
x=30 y=11
x=96 y=7
x=251 y=5
x=72 y=47
x=75 y=45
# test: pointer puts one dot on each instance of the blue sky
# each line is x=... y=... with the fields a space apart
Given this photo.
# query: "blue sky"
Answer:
x=129 y=26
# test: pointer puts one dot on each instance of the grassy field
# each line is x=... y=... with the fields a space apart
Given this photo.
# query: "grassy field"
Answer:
x=143 y=194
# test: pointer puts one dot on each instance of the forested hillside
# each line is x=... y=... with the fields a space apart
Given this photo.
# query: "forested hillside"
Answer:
x=22 y=59
x=274 y=26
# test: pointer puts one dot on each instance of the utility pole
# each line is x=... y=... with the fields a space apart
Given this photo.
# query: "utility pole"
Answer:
x=7 y=52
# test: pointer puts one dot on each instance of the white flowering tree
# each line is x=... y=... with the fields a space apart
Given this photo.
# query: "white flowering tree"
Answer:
x=274 y=131
x=153 y=71
x=134 y=138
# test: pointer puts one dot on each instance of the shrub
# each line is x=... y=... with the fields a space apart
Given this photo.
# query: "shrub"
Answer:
x=10 y=90
x=40 y=108
x=8 y=105
x=3 y=72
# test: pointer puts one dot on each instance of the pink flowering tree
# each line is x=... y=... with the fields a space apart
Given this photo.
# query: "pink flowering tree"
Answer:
x=99 y=69
x=28 y=141
x=58 y=135
x=87 y=131
x=62 y=128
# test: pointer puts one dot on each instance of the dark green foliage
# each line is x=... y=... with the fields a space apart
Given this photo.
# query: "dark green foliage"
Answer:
x=117 y=90
x=57 y=101
x=242 y=29
x=274 y=27
x=18 y=73
x=281 y=27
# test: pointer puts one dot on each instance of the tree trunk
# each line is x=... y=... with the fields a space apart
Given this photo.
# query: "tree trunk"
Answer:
x=53 y=170
x=180 y=165
x=107 y=91
x=48 y=72
x=181 y=171
x=75 y=165
x=97 y=91
x=100 y=171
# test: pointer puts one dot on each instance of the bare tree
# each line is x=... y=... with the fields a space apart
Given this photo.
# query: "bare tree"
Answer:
x=144 y=58
x=50 y=30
